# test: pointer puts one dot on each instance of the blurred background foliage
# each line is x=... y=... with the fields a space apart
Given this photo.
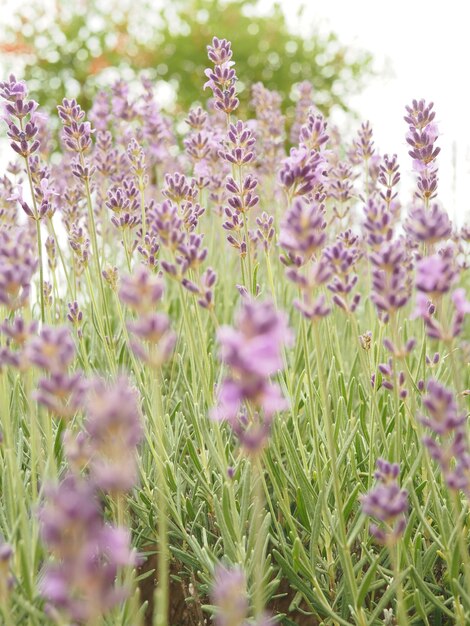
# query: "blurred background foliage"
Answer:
x=71 y=49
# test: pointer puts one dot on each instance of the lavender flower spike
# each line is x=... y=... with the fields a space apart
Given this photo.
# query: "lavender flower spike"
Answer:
x=229 y=596
x=79 y=583
x=114 y=427
x=387 y=503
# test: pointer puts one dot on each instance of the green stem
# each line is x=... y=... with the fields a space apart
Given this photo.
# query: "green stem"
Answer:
x=64 y=267
x=345 y=554
x=313 y=421
x=260 y=539
x=41 y=269
x=160 y=617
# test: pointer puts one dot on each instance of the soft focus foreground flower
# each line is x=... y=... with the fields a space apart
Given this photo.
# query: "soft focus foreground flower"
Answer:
x=63 y=395
x=6 y=578
x=114 y=428
x=18 y=264
x=79 y=581
x=229 y=595
x=428 y=225
x=435 y=274
x=53 y=350
x=253 y=352
x=387 y=503
x=448 y=444
x=141 y=291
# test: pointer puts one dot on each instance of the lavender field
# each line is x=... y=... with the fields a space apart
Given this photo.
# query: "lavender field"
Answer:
x=234 y=374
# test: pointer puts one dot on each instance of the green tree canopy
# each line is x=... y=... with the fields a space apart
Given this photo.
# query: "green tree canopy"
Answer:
x=69 y=49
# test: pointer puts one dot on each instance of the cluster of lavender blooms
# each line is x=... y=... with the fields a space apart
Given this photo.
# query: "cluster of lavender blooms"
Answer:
x=79 y=580
x=248 y=399
x=122 y=177
x=387 y=503
x=85 y=552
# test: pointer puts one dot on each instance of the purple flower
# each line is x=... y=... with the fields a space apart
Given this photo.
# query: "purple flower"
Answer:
x=6 y=578
x=302 y=171
x=389 y=177
x=313 y=135
x=386 y=503
x=435 y=274
x=114 y=428
x=62 y=394
x=80 y=580
x=391 y=281
x=363 y=144
x=222 y=78
x=75 y=317
x=428 y=225
x=302 y=109
x=229 y=596
x=379 y=221
x=448 y=444
x=265 y=231
x=269 y=128
x=303 y=228
x=141 y=291
x=240 y=145
x=252 y=350
x=421 y=137
x=18 y=264
x=442 y=408
x=53 y=350
x=18 y=331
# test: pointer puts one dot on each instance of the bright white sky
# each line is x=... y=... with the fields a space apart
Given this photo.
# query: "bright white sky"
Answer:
x=426 y=44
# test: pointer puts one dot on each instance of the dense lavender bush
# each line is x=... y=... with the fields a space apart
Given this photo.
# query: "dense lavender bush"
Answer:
x=219 y=359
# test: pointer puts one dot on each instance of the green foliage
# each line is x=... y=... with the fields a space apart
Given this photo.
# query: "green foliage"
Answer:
x=73 y=49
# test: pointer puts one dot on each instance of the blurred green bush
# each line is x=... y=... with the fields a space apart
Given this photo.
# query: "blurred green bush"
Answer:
x=71 y=48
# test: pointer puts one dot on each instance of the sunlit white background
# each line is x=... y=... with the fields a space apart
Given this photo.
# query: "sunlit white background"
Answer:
x=421 y=50
x=424 y=48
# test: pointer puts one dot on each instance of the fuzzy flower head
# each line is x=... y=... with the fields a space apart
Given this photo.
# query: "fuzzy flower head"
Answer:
x=386 y=503
x=302 y=171
x=53 y=350
x=141 y=291
x=448 y=443
x=253 y=347
x=252 y=350
x=114 y=428
x=428 y=225
x=435 y=274
x=303 y=228
x=79 y=583
x=18 y=264
x=229 y=596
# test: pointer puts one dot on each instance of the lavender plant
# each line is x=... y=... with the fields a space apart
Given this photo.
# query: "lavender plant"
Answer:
x=200 y=386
